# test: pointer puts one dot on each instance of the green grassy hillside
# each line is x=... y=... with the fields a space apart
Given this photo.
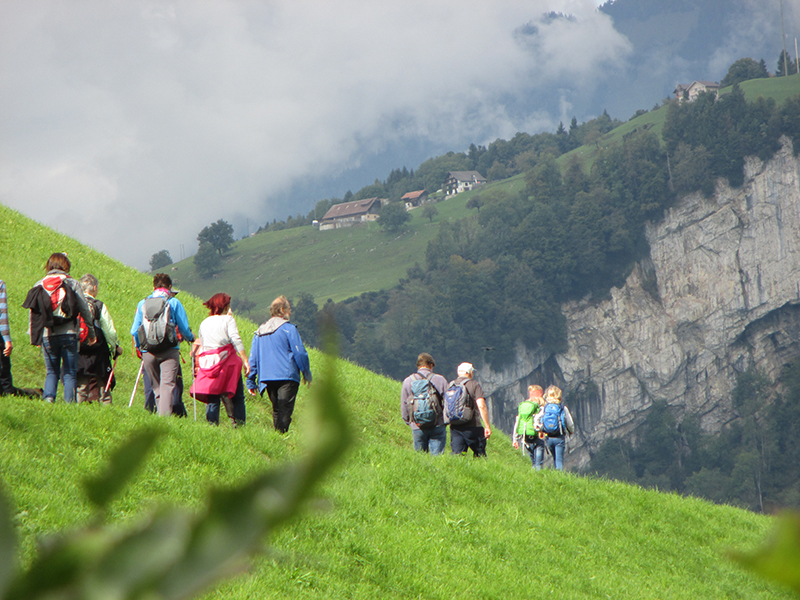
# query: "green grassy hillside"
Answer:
x=394 y=524
x=336 y=264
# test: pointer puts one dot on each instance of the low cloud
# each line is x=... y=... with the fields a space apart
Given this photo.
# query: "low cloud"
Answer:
x=132 y=125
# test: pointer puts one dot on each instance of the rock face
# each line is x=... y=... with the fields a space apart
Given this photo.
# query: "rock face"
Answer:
x=719 y=293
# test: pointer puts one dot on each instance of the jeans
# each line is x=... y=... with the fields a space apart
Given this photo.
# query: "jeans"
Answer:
x=282 y=394
x=468 y=438
x=430 y=440
x=60 y=351
x=239 y=416
x=535 y=449
x=556 y=447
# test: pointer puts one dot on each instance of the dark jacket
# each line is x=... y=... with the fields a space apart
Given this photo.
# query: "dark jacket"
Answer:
x=38 y=301
x=74 y=303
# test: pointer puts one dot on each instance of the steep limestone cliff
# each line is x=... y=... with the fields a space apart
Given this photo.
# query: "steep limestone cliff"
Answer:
x=719 y=293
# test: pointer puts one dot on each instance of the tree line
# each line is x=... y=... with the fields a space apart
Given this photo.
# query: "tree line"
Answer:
x=754 y=462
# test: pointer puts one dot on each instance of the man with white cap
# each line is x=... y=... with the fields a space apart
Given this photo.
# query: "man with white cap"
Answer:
x=471 y=435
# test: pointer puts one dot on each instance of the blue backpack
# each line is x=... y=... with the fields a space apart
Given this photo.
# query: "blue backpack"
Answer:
x=553 y=419
x=457 y=405
x=424 y=405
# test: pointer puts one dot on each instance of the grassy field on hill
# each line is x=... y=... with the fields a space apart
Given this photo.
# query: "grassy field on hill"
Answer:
x=335 y=264
x=393 y=524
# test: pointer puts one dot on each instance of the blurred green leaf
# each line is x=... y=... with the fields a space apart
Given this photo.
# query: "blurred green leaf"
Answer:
x=8 y=543
x=174 y=553
x=122 y=466
x=779 y=558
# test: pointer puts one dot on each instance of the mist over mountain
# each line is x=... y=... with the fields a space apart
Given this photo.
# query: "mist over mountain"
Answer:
x=671 y=42
x=111 y=113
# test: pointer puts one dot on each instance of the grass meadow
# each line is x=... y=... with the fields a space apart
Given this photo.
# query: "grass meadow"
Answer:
x=389 y=522
x=334 y=264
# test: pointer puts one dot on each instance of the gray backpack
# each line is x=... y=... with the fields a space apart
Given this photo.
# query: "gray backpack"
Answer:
x=157 y=331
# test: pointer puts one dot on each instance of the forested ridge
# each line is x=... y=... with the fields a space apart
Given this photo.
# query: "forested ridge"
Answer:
x=753 y=463
x=498 y=277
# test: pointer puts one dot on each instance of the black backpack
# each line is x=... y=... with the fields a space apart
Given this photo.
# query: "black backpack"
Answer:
x=96 y=308
x=157 y=331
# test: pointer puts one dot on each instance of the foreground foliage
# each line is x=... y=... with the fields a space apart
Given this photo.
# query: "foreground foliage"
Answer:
x=172 y=552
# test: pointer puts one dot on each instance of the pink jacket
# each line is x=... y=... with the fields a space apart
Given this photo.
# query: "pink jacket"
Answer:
x=219 y=371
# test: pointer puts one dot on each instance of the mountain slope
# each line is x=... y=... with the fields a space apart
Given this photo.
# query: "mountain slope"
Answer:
x=395 y=524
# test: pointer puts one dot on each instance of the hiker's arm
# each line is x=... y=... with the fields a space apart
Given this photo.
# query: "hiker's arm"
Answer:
x=193 y=352
x=245 y=362
x=481 y=404
x=299 y=354
x=516 y=437
x=568 y=422
x=405 y=391
x=181 y=320
x=252 y=376
x=107 y=325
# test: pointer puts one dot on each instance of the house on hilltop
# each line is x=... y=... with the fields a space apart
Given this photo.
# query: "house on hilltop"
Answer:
x=413 y=199
x=687 y=93
x=350 y=213
x=462 y=181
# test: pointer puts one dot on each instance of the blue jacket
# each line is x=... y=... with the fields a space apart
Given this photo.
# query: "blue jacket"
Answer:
x=277 y=354
x=177 y=314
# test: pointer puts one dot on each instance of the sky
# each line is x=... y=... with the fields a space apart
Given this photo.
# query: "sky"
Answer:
x=133 y=124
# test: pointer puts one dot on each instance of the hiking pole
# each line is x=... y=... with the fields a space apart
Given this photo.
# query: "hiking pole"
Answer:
x=135 y=385
x=194 y=394
x=110 y=375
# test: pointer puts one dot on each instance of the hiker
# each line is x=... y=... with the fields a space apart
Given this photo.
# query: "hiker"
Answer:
x=277 y=360
x=421 y=406
x=6 y=380
x=554 y=422
x=158 y=319
x=218 y=358
x=55 y=303
x=525 y=433
x=95 y=377
x=466 y=431
x=178 y=407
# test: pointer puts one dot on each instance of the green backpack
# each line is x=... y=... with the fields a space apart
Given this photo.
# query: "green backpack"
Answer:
x=526 y=411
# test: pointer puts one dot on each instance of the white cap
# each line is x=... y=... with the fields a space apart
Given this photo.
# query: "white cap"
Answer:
x=465 y=369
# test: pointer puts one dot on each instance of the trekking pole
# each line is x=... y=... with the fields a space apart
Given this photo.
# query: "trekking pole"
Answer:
x=110 y=375
x=194 y=394
x=135 y=385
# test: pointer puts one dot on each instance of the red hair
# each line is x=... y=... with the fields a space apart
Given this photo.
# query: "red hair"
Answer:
x=218 y=303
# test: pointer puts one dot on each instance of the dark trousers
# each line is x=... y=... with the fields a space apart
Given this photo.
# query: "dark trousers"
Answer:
x=235 y=408
x=282 y=394
x=467 y=438
x=6 y=381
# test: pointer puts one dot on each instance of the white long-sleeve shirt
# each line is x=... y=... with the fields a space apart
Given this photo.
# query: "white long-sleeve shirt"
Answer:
x=219 y=330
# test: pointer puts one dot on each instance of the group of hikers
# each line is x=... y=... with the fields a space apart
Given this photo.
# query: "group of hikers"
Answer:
x=80 y=347
x=428 y=404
